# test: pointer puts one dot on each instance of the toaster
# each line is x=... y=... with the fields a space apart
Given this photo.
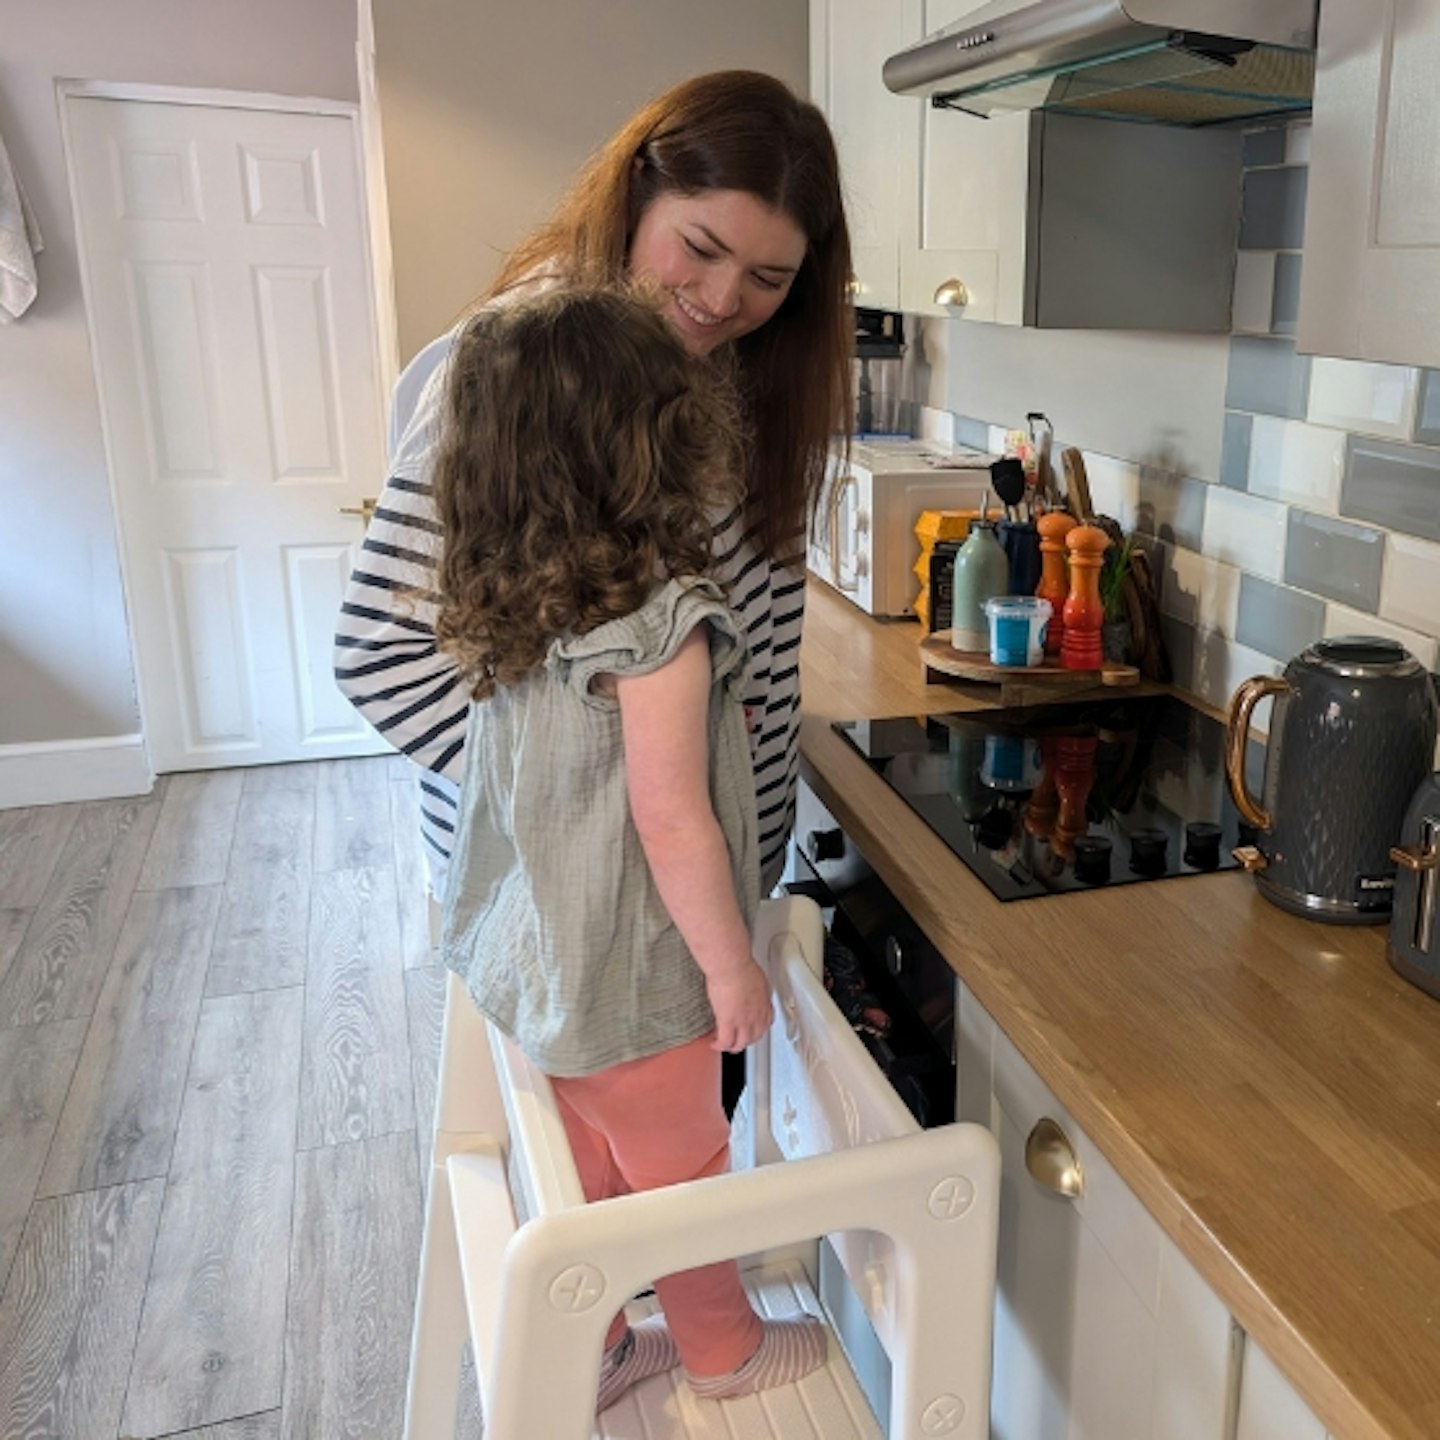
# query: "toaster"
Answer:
x=1414 y=947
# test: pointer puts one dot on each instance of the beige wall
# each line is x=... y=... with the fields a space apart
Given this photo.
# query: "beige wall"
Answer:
x=489 y=108
x=65 y=671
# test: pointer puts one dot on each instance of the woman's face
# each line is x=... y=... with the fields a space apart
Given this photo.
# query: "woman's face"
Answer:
x=724 y=260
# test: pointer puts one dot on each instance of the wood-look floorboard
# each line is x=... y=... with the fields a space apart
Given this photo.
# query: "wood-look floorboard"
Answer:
x=211 y=1341
x=71 y=938
x=356 y=1076
x=191 y=844
x=352 y=816
x=425 y=1008
x=13 y=925
x=118 y=1123
x=354 y=1260
x=252 y=1427
x=30 y=844
x=410 y=881
x=36 y=1064
x=68 y=1317
x=265 y=913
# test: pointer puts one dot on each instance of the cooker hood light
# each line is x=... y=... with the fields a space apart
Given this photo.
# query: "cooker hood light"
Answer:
x=1177 y=62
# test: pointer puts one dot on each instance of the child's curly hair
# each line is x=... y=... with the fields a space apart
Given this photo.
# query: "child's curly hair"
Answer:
x=581 y=458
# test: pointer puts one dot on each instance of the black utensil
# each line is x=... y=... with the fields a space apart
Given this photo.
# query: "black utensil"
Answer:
x=1008 y=477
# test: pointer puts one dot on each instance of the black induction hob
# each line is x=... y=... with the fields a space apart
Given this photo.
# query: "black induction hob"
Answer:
x=1051 y=799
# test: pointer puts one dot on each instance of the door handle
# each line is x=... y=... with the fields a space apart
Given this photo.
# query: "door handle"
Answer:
x=365 y=509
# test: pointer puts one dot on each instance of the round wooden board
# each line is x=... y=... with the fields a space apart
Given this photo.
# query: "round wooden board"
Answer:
x=1049 y=677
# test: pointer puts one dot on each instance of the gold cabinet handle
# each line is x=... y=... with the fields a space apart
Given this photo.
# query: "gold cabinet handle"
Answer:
x=365 y=509
x=1050 y=1158
x=952 y=292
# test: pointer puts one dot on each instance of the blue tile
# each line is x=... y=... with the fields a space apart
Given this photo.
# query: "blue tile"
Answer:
x=974 y=433
x=1427 y=423
x=1285 y=296
x=1263 y=147
x=1235 y=451
x=1397 y=486
x=1335 y=559
x=1171 y=508
x=1276 y=621
x=1272 y=208
x=1267 y=377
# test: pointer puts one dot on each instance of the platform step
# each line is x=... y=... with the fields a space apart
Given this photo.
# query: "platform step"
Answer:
x=825 y=1405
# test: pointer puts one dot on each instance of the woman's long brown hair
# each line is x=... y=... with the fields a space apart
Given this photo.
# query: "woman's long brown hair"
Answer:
x=582 y=454
x=734 y=130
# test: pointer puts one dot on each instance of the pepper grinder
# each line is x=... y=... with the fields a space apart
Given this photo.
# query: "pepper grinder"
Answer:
x=1054 y=584
x=1084 y=612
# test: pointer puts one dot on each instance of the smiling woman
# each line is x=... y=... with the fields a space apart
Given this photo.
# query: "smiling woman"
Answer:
x=723 y=192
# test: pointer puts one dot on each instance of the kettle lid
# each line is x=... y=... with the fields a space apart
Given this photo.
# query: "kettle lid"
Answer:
x=1360 y=655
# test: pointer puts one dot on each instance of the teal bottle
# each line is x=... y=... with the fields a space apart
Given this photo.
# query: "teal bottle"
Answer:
x=982 y=571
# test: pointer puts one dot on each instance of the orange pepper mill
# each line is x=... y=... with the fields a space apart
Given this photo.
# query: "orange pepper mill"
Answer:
x=1084 y=613
x=1054 y=584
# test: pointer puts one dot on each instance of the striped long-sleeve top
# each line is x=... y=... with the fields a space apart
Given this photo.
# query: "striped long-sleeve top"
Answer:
x=388 y=665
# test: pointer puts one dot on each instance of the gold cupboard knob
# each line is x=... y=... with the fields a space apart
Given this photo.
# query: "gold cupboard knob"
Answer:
x=952 y=292
x=1051 y=1160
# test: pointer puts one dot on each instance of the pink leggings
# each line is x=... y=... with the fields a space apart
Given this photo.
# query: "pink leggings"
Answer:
x=652 y=1122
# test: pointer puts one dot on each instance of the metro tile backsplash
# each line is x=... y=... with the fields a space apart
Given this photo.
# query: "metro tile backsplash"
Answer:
x=1324 y=515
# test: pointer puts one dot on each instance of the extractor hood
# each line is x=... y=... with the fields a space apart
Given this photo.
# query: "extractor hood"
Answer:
x=1178 y=62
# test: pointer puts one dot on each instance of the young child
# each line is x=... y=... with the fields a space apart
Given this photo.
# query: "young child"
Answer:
x=606 y=866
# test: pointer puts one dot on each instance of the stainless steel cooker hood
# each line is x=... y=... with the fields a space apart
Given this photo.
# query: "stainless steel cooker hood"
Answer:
x=1178 y=62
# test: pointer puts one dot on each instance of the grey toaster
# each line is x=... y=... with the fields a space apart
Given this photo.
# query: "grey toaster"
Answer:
x=1414 y=947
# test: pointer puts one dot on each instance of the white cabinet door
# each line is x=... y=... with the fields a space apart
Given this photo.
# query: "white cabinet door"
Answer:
x=1103 y=1331
x=965 y=187
x=1370 y=285
x=1269 y=1408
x=850 y=41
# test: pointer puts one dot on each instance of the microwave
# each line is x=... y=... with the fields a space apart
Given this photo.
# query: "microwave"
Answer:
x=862 y=538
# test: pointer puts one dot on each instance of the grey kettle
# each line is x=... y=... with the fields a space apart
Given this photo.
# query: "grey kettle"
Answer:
x=1352 y=734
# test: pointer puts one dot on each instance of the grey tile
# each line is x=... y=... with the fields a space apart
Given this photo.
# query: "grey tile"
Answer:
x=1235 y=451
x=1263 y=147
x=1285 y=298
x=974 y=433
x=1277 y=621
x=1171 y=508
x=1397 y=486
x=1272 y=208
x=1267 y=377
x=1427 y=421
x=1335 y=559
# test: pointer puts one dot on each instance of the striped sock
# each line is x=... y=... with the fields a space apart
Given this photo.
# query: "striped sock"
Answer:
x=788 y=1350
x=644 y=1350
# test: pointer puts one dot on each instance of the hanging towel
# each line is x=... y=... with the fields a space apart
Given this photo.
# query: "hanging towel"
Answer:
x=20 y=242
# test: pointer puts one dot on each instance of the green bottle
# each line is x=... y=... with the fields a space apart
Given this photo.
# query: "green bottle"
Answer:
x=982 y=571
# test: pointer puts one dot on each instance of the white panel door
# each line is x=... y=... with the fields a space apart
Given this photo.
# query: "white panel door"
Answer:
x=228 y=281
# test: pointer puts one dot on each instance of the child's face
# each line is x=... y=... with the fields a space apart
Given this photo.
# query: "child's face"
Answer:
x=724 y=259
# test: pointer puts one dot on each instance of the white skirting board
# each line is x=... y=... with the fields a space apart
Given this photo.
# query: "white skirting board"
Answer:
x=52 y=772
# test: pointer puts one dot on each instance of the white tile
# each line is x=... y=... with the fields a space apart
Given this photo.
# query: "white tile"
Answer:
x=1342 y=620
x=1245 y=530
x=1254 y=295
x=937 y=425
x=1368 y=398
x=1298 y=463
x=1220 y=668
x=1114 y=488
x=1201 y=591
x=1410 y=584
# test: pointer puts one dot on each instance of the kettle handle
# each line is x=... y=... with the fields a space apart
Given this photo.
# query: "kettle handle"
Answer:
x=1237 y=732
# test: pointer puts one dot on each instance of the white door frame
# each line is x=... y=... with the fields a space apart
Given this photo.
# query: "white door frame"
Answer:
x=370 y=169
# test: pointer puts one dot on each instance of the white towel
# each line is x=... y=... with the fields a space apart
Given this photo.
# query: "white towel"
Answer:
x=20 y=243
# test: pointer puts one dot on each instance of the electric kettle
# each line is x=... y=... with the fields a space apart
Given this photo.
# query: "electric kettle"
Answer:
x=1352 y=734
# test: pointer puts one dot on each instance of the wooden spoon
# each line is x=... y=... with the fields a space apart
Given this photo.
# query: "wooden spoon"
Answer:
x=1077 y=483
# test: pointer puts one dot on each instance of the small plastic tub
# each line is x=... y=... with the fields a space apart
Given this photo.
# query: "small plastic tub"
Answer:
x=1017 y=629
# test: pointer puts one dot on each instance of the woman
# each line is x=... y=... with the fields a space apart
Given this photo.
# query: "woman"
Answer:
x=724 y=193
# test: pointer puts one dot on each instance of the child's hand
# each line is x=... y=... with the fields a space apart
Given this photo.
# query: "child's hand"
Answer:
x=741 y=1001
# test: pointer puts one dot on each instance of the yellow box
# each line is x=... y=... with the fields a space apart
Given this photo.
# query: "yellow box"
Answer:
x=931 y=527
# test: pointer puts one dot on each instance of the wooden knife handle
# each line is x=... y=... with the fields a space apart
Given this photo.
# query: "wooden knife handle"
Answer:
x=1077 y=483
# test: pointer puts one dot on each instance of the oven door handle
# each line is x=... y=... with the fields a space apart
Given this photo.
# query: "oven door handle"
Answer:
x=837 y=492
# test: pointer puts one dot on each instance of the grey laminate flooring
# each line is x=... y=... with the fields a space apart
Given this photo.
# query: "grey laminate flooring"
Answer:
x=219 y=1024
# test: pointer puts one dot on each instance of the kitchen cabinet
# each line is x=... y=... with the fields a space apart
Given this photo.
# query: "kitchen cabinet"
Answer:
x=1370 y=284
x=1269 y=1407
x=1103 y=1330
x=1050 y=220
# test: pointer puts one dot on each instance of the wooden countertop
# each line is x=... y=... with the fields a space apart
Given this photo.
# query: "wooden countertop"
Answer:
x=1268 y=1086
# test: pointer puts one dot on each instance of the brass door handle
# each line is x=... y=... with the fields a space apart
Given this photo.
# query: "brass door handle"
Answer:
x=1050 y=1158
x=365 y=509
